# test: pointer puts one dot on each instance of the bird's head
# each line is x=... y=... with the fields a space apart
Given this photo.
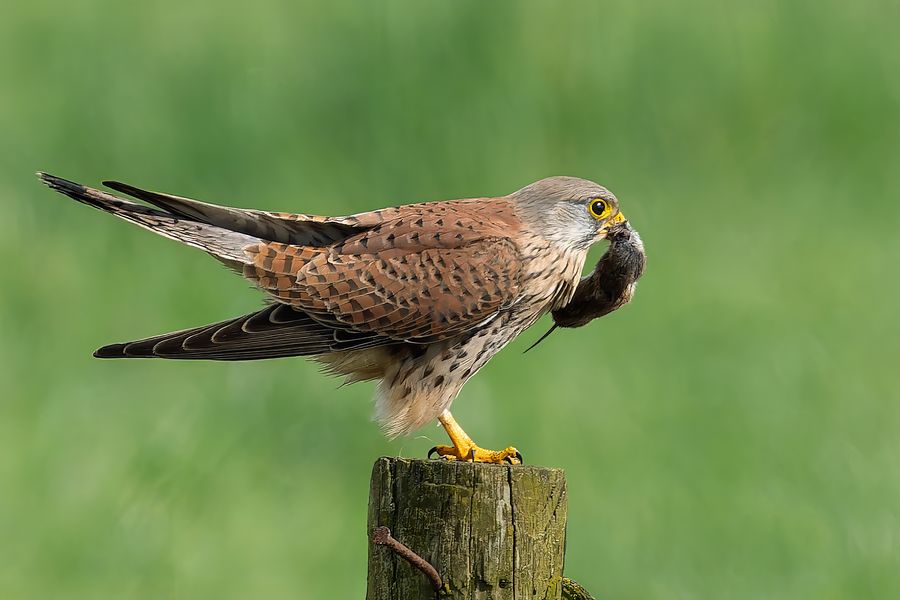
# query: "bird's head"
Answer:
x=569 y=211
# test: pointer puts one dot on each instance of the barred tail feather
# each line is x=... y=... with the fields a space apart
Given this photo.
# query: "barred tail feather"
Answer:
x=276 y=331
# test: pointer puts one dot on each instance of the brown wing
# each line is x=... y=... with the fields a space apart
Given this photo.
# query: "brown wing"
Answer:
x=430 y=274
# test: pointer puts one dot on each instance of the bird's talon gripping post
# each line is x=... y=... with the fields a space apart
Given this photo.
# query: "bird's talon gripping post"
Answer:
x=515 y=459
x=509 y=456
x=465 y=449
x=443 y=452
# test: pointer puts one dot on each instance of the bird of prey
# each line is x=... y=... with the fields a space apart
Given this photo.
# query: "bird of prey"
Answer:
x=419 y=296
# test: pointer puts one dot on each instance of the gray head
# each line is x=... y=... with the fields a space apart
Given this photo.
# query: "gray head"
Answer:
x=570 y=211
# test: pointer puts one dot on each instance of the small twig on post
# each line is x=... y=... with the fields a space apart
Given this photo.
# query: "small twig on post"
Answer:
x=382 y=537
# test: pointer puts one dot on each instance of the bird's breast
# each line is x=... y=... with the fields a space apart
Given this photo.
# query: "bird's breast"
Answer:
x=551 y=275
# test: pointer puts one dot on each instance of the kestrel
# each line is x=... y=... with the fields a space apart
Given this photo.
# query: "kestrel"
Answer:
x=419 y=296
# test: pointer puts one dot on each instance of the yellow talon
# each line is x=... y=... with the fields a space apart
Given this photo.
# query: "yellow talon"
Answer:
x=509 y=455
x=464 y=448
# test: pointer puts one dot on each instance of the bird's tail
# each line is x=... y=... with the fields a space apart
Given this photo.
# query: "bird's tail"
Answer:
x=224 y=244
x=276 y=331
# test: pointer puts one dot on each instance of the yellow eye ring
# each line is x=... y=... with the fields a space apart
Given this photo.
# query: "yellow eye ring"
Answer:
x=599 y=208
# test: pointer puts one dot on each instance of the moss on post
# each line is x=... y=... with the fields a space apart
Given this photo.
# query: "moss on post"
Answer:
x=491 y=531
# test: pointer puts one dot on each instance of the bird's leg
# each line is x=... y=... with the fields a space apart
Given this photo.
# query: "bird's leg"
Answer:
x=464 y=448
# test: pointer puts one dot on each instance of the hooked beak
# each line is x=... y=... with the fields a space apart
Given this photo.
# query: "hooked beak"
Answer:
x=616 y=220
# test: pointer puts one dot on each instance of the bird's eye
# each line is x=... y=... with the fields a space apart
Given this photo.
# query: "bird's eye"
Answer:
x=599 y=209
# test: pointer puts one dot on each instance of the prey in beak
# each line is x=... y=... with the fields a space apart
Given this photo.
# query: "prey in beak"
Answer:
x=612 y=283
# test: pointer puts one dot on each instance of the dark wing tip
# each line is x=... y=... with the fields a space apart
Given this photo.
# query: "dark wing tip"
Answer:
x=58 y=183
x=120 y=187
x=110 y=351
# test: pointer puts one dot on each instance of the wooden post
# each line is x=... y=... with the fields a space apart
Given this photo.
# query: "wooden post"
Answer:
x=491 y=531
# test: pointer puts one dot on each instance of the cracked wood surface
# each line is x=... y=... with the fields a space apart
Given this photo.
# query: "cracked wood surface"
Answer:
x=492 y=531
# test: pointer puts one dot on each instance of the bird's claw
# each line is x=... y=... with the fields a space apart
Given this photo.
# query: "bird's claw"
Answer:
x=509 y=456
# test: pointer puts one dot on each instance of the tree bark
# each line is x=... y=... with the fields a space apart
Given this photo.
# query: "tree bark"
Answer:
x=491 y=531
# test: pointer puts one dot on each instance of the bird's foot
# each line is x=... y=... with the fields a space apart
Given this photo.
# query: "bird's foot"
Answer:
x=473 y=453
x=464 y=448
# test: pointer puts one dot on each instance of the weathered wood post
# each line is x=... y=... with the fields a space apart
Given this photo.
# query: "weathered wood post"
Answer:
x=491 y=531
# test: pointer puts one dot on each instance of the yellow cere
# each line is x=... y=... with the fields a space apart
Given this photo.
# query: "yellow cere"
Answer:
x=619 y=218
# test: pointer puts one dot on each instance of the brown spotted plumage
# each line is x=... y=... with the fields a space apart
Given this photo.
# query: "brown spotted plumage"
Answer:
x=419 y=296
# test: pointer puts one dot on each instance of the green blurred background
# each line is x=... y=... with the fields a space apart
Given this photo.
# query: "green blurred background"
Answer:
x=733 y=433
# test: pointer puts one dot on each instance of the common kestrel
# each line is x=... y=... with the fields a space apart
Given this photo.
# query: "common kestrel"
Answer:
x=419 y=296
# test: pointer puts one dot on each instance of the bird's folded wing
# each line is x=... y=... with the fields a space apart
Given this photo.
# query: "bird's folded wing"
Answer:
x=420 y=297
x=412 y=281
x=288 y=228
